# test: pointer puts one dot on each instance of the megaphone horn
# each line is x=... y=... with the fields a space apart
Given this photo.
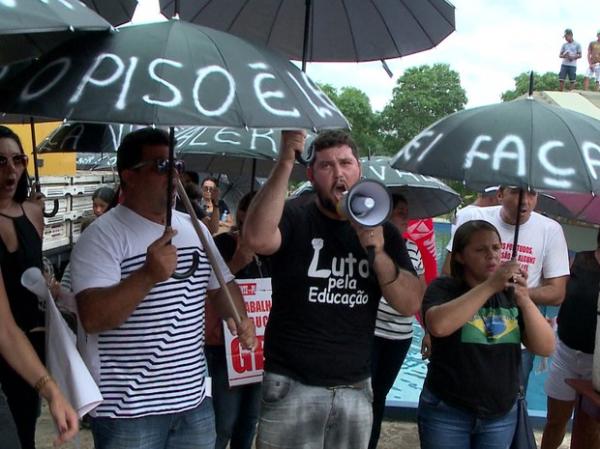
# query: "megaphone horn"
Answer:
x=367 y=203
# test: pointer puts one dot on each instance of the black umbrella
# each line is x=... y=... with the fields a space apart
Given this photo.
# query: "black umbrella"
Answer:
x=170 y=73
x=117 y=12
x=326 y=30
x=30 y=28
x=426 y=196
x=523 y=143
x=229 y=151
x=582 y=207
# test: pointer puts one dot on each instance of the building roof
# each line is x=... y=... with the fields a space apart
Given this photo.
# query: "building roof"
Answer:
x=582 y=101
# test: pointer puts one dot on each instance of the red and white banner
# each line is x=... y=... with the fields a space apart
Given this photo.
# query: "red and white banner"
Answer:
x=422 y=233
x=243 y=366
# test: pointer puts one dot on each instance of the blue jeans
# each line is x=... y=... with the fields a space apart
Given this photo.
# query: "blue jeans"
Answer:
x=236 y=408
x=9 y=439
x=192 y=429
x=444 y=426
x=386 y=361
x=298 y=416
x=527 y=359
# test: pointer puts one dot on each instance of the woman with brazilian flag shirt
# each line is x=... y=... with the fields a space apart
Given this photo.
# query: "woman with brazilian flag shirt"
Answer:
x=470 y=392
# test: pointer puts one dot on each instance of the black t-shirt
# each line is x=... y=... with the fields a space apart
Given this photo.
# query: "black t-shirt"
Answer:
x=260 y=267
x=577 y=315
x=477 y=367
x=325 y=299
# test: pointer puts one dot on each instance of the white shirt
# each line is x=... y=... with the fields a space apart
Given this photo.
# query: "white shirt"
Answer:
x=542 y=248
x=154 y=362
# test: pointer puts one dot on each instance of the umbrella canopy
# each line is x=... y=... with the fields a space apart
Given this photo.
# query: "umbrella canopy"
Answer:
x=30 y=28
x=330 y=30
x=582 y=207
x=237 y=153
x=524 y=143
x=426 y=196
x=85 y=138
x=234 y=152
x=170 y=74
x=117 y=12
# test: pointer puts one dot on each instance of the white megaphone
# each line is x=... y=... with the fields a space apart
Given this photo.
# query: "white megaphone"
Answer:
x=367 y=203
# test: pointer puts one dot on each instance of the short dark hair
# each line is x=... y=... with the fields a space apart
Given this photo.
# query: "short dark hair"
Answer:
x=194 y=176
x=22 y=190
x=396 y=198
x=245 y=201
x=462 y=237
x=333 y=138
x=129 y=152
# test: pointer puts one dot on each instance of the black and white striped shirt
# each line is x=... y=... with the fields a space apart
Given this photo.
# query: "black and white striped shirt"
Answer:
x=154 y=362
x=390 y=324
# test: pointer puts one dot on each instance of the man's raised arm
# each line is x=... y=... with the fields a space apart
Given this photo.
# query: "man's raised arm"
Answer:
x=261 y=228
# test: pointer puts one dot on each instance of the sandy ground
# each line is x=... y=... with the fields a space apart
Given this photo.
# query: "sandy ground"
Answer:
x=394 y=435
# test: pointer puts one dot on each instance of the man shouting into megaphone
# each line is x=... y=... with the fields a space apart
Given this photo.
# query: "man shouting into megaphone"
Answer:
x=317 y=387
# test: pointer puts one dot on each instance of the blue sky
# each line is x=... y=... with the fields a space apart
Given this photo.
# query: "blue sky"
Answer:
x=494 y=41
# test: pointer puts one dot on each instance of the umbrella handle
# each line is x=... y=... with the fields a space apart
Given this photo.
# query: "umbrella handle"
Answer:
x=371 y=255
x=209 y=253
x=54 y=210
x=307 y=156
x=191 y=270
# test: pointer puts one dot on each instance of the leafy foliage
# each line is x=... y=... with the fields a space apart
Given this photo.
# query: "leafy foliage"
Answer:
x=355 y=105
x=423 y=95
x=546 y=81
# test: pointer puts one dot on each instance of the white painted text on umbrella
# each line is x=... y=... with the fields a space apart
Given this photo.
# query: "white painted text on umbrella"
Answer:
x=213 y=91
x=510 y=154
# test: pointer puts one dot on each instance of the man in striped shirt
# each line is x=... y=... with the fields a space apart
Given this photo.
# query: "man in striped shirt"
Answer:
x=145 y=329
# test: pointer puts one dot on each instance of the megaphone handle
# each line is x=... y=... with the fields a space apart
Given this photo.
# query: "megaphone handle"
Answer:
x=371 y=255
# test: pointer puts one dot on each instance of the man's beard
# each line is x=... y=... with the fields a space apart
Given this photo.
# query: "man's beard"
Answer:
x=327 y=203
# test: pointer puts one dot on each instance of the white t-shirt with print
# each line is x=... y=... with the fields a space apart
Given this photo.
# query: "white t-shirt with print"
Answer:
x=542 y=248
x=154 y=362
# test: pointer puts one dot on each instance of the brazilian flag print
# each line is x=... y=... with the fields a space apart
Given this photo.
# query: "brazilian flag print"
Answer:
x=491 y=326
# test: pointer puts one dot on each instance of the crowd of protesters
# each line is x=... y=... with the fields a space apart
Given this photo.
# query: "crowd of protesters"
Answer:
x=344 y=296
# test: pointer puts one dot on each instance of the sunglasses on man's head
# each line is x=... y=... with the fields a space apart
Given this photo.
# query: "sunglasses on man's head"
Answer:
x=17 y=159
x=162 y=165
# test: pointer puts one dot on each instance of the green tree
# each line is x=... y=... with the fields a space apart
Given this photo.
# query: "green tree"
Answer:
x=541 y=82
x=423 y=95
x=356 y=107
